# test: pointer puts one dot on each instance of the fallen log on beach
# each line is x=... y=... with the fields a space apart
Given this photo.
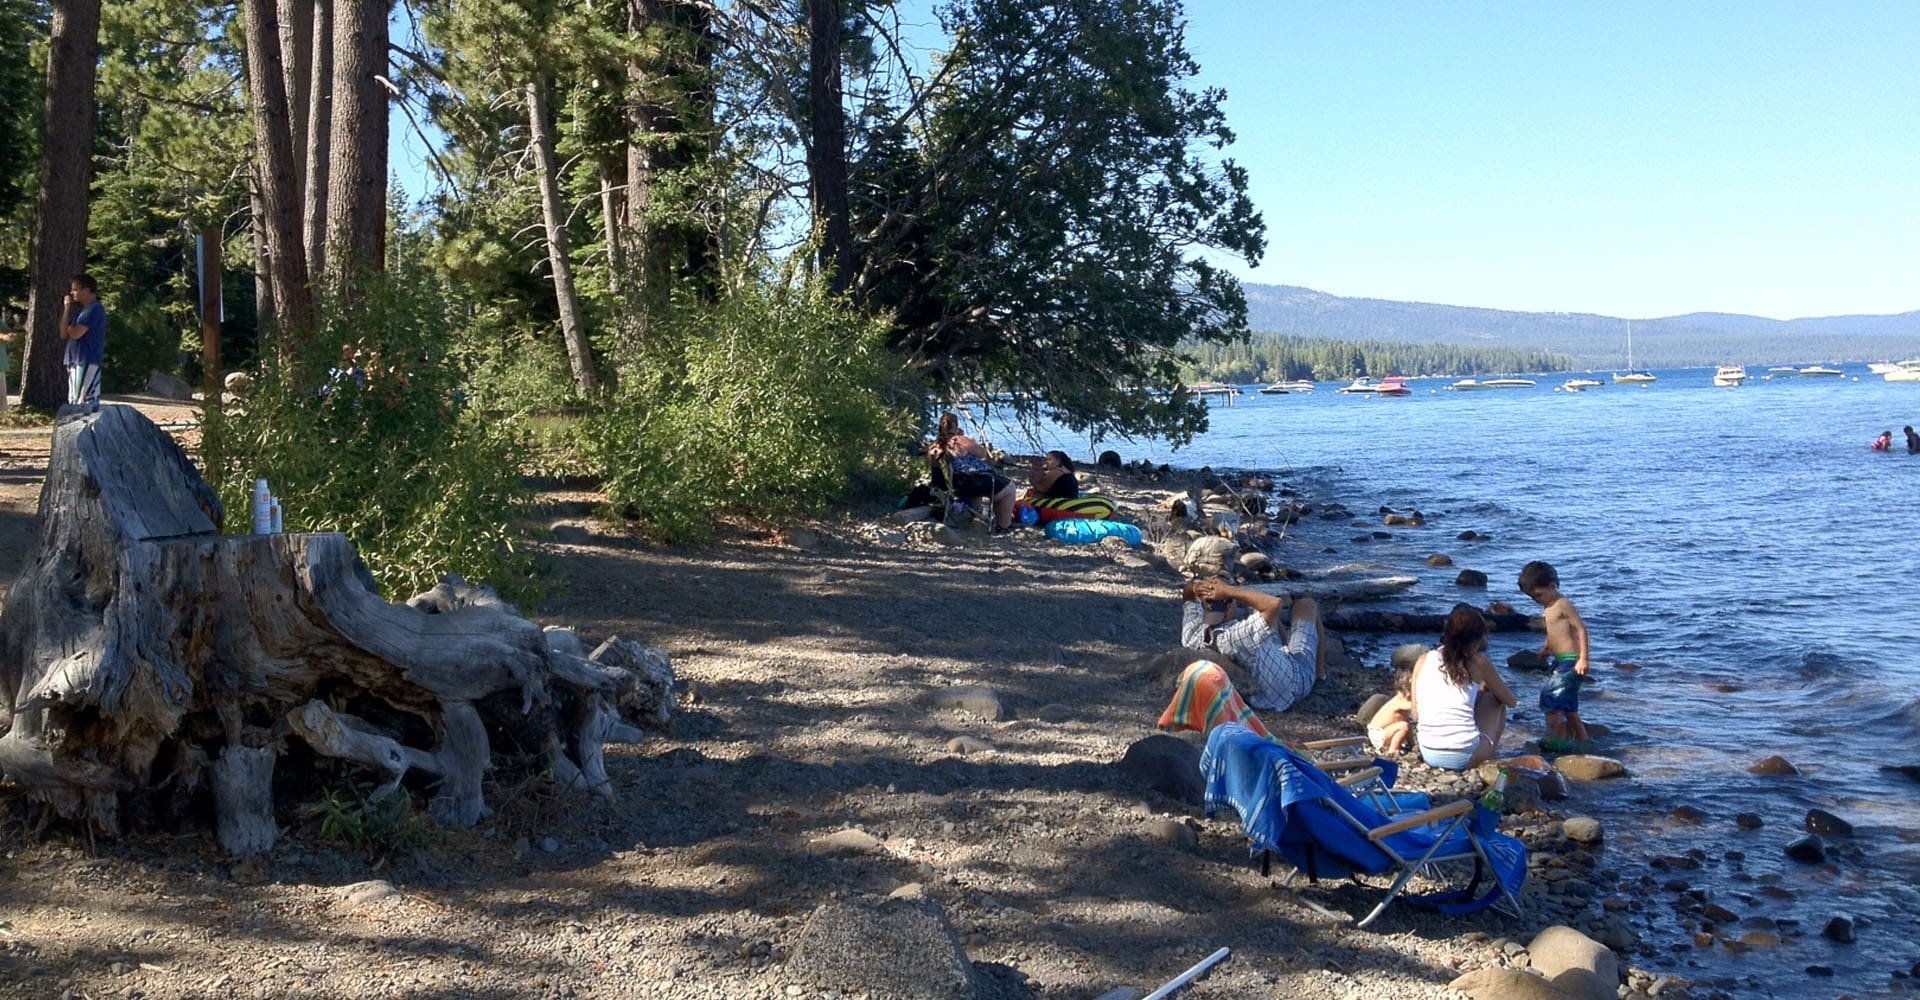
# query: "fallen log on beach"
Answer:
x=1342 y=619
x=150 y=663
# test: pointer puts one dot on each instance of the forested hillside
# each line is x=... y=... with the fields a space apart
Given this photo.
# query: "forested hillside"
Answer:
x=1587 y=340
x=1268 y=357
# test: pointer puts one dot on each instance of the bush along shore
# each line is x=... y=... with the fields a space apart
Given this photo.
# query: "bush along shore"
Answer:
x=905 y=760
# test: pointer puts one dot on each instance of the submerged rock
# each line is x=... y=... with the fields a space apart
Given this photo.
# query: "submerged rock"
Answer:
x=1470 y=578
x=1823 y=822
x=1839 y=929
x=1775 y=765
x=1809 y=849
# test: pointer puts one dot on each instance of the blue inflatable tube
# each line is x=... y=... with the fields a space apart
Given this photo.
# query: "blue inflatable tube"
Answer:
x=1085 y=531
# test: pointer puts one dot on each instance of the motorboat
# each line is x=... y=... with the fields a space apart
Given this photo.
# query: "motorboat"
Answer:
x=1818 y=371
x=1783 y=371
x=1362 y=386
x=1578 y=384
x=1632 y=376
x=1392 y=386
x=1905 y=371
x=1729 y=375
x=1283 y=388
x=1468 y=385
x=1509 y=383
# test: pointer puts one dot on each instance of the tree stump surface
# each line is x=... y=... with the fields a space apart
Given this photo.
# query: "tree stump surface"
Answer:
x=146 y=659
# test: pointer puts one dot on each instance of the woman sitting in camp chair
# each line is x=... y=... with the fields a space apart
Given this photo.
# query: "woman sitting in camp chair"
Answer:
x=962 y=465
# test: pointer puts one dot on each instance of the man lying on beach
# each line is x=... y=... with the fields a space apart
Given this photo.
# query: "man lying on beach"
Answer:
x=1282 y=660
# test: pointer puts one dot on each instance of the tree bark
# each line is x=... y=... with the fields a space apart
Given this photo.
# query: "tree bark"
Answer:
x=142 y=651
x=279 y=188
x=669 y=112
x=827 y=154
x=357 y=175
x=296 y=54
x=319 y=144
x=572 y=327
x=61 y=210
x=612 y=204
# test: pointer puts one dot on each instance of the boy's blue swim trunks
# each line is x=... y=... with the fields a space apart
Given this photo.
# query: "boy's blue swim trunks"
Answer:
x=1562 y=690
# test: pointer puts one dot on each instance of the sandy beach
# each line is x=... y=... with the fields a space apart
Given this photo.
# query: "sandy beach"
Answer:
x=864 y=708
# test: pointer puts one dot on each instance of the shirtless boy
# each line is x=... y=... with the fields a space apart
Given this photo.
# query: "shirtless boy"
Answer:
x=1565 y=649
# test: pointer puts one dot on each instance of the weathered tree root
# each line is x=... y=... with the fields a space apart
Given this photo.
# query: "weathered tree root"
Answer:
x=144 y=655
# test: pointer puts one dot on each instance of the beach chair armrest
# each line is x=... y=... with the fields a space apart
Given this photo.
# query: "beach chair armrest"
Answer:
x=1331 y=766
x=1458 y=808
x=1358 y=777
x=1344 y=741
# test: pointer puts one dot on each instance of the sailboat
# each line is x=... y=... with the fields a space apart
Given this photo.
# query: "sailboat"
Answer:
x=1632 y=375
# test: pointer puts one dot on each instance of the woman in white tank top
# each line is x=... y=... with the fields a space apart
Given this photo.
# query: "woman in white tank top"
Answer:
x=1459 y=701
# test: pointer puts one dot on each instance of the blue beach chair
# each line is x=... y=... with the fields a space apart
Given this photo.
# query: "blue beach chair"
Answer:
x=1288 y=806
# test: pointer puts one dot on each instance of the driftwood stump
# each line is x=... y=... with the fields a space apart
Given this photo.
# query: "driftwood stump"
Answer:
x=147 y=660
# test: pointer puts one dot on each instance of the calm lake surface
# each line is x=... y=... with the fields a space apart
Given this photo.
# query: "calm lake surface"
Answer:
x=1743 y=546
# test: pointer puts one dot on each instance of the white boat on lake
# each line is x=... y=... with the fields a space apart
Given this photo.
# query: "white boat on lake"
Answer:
x=1729 y=375
x=1905 y=371
x=1468 y=385
x=1783 y=371
x=1362 y=386
x=1284 y=388
x=1632 y=376
x=1820 y=371
x=1509 y=383
x=1581 y=384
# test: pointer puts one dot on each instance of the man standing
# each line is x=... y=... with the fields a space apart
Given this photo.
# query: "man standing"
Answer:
x=83 y=326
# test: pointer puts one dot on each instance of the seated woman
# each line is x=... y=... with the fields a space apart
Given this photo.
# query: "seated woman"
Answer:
x=973 y=475
x=1051 y=477
x=1459 y=700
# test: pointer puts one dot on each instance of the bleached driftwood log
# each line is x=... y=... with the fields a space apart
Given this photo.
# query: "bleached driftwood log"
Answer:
x=146 y=659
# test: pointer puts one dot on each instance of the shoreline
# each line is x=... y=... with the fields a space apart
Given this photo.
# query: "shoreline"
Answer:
x=833 y=676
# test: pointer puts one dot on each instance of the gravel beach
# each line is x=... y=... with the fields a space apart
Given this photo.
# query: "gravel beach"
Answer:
x=866 y=709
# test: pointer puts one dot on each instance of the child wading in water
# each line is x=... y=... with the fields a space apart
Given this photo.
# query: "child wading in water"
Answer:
x=1566 y=650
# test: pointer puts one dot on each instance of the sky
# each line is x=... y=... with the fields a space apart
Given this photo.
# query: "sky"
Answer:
x=1623 y=158
x=1626 y=158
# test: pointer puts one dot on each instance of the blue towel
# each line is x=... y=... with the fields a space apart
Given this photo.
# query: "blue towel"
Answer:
x=1285 y=806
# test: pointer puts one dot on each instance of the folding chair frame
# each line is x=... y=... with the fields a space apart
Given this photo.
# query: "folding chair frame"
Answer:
x=1452 y=818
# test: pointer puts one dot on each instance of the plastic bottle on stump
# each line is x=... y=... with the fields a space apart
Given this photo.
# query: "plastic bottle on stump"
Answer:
x=262 y=508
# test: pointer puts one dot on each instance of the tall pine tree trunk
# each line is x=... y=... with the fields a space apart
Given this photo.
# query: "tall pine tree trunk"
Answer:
x=279 y=191
x=540 y=131
x=296 y=54
x=61 y=210
x=669 y=112
x=357 y=174
x=827 y=155
x=319 y=145
x=612 y=204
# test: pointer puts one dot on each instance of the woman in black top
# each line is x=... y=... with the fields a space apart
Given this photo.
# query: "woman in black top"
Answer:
x=1051 y=477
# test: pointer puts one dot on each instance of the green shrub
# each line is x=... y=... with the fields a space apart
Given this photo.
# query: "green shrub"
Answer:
x=377 y=442
x=766 y=402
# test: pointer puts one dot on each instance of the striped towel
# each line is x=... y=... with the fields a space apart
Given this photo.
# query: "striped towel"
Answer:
x=1205 y=698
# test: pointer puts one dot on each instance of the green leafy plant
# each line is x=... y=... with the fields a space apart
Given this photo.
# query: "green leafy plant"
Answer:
x=364 y=430
x=376 y=828
x=766 y=402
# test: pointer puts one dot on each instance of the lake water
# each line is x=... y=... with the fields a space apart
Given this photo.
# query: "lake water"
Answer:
x=1742 y=545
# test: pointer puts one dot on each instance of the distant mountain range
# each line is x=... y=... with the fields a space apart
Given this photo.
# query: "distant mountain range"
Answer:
x=1591 y=341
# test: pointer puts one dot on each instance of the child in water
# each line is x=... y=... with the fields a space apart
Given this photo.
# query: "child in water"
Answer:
x=1884 y=442
x=1391 y=727
x=1565 y=650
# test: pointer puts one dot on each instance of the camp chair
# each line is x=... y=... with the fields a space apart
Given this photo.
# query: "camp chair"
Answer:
x=946 y=494
x=1290 y=807
x=1205 y=698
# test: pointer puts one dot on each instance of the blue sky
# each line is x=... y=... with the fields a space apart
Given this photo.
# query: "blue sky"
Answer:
x=1630 y=159
x=1626 y=158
